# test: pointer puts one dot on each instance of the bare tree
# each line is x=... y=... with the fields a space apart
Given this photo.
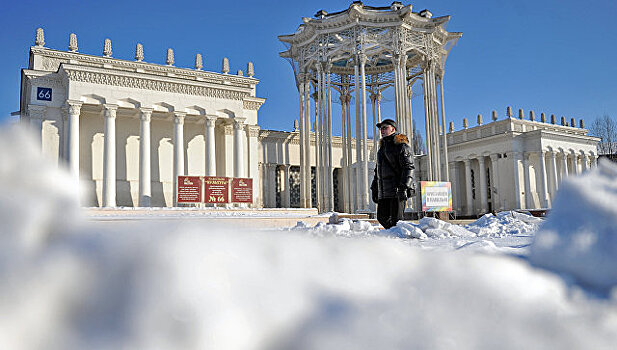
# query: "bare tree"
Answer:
x=418 y=142
x=606 y=129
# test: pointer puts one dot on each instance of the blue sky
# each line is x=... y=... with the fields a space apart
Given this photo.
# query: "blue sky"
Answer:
x=557 y=57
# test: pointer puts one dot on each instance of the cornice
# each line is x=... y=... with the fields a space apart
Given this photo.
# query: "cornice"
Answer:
x=253 y=103
x=55 y=58
x=148 y=82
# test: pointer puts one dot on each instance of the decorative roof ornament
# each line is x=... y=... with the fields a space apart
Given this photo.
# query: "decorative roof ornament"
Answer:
x=543 y=117
x=139 y=52
x=509 y=112
x=582 y=124
x=494 y=115
x=240 y=73
x=199 y=63
x=573 y=122
x=465 y=123
x=451 y=129
x=563 y=120
x=225 y=68
x=73 y=42
x=532 y=116
x=396 y=5
x=170 y=57
x=40 y=37
x=250 y=71
x=107 y=48
x=521 y=114
x=321 y=14
x=296 y=126
x=553 y=119
x=479 y=119
x=426 y=13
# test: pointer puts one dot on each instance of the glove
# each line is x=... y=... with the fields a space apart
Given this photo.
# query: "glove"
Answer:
x=375 y=195
x=401 y=193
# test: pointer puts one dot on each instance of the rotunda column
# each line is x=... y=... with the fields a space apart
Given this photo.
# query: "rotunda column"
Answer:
x=528 y=198
x=210 y=124
x=364 y=138
x=285 y=193
x=594 y=161
x=109 y=155
x=145 y=190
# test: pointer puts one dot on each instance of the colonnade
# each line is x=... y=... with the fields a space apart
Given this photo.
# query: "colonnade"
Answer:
x=545 y=179
x=73 y=111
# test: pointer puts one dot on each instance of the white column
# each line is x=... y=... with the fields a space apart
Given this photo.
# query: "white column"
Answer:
x=545 y=202
x=329 y=167
x=445 y=139
x=468 y=189
x=36 y=115
x=239 y=136
x=358 y=163
x=585 y=160
x=483 y=191
x=594 y=161
x=453 y=177
x=109 y=156
x=178 y=150
x=145 y=181
x=496 y=190
x=364 y=137
x=210 y=123
x=286 y=194
x=575 y=170
x=73 y=111
x=564 y=165
x=271 y=178
x=528 y=198
x=302 y=125
x=517 y=180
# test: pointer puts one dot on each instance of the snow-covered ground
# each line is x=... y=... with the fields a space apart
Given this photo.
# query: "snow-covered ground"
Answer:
x=509 y=281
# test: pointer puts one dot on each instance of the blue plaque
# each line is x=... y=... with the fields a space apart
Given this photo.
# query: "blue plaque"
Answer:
x=43 y=94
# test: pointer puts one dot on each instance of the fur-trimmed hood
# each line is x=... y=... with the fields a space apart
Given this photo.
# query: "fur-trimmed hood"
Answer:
x=398 y=139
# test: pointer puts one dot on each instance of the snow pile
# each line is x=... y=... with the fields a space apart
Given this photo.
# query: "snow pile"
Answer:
x=173 y=285
x=504 y=223
x=579 y=237
x=36 y=198
x=338 y=227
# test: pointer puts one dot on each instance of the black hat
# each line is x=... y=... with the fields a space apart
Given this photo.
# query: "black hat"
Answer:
x=387 y=122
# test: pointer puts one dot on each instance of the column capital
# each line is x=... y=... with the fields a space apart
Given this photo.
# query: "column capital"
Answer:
x=211 y=120
x=494 y=156
x=145 y=114
x=109 y=110
x=239 y=123
x=179 y=117
x=480 y=158
x=467 y=161
x=253 y=130
x=362 y=58
x=73 y=107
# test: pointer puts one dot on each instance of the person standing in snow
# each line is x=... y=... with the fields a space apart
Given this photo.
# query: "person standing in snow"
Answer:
x=393 y=181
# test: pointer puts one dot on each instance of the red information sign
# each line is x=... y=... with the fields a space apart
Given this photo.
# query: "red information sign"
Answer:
x=241 y=190
x=189 y=189
x=216 y=189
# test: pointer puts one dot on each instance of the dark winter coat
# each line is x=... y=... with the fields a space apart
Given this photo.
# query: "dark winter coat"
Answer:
x=394 y=168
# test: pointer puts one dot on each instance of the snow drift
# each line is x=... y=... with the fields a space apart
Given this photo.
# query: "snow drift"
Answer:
x=70 y=284
x=579 y=237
